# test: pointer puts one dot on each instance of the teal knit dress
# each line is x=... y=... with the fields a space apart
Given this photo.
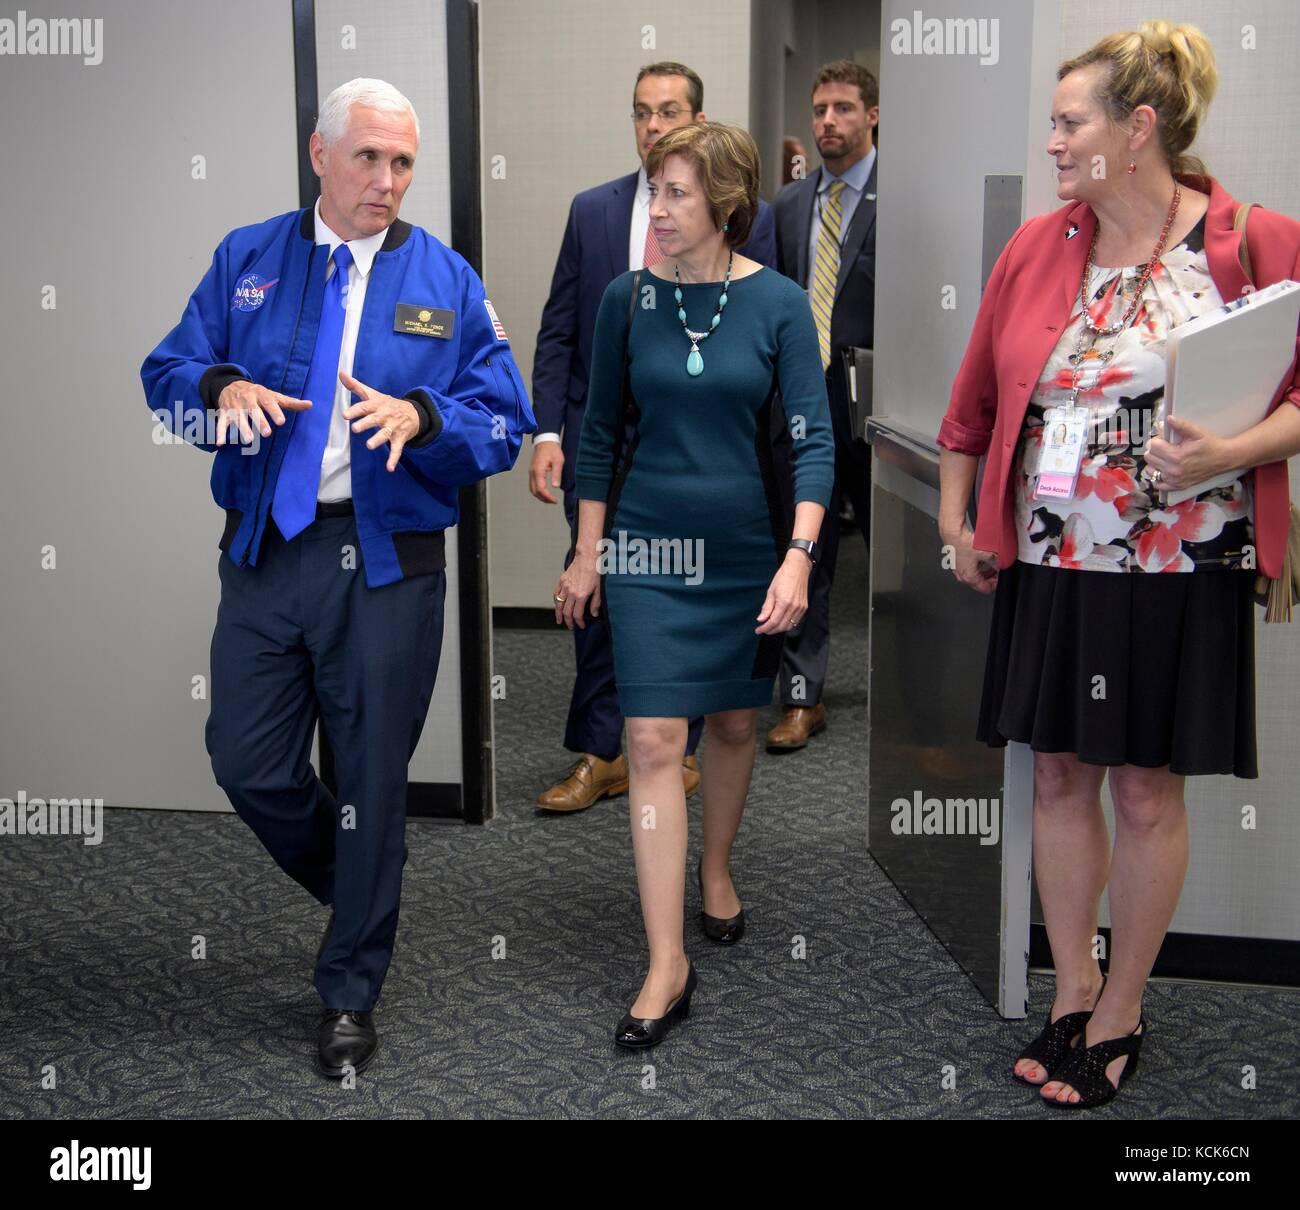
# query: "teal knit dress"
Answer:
x=696 y=528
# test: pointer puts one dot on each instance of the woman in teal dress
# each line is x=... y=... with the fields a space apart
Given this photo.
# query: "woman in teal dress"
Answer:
x=702 y=574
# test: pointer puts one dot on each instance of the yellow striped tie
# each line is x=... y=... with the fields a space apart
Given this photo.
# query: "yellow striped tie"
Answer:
x=826 y=269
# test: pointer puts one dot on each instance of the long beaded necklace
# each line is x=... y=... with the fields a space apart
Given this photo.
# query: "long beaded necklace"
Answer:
x=1089 y=330
x=694 y=359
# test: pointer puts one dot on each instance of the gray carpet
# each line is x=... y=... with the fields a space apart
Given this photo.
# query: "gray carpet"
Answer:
x=101 y=988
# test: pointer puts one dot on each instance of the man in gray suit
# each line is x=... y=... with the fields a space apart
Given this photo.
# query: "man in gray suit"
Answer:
x=826 y=241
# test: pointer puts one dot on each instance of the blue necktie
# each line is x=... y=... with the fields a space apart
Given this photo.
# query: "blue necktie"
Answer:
x=294 y=506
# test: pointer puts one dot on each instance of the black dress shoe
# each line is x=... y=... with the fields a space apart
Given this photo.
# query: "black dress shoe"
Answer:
x=724 y=932
x=325 y=936
x=637 y=1033
x=345 y=1039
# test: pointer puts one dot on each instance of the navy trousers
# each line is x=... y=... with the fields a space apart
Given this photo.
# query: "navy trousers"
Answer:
x=595 y=722
x=301 y=637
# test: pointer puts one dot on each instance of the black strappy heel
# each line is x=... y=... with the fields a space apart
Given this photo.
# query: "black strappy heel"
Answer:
x=1085 y=1069
x=1055 y=1041
x=1051 y=1046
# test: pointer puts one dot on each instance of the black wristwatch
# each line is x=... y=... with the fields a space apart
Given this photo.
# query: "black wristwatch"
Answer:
x=807 y=545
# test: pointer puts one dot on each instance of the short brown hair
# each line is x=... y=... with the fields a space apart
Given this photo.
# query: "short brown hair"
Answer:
x=694 y=85
x=727 y=163
x=1169 y=67
x=845 y=71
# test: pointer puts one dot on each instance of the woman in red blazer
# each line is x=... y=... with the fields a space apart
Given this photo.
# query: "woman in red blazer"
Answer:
x=1097 y=664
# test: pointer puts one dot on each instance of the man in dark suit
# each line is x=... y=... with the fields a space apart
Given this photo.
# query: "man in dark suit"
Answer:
x=608 y=233
x=826 y=241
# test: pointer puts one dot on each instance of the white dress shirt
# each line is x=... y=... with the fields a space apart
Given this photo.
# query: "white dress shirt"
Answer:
x=336 y=465
x=635 y=249
x=640 y=221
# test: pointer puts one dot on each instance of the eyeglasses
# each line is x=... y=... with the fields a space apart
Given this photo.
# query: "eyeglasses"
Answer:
x=671 y=114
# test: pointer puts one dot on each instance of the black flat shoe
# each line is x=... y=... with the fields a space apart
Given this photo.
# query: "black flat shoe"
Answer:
x=1084 y=1069
x=1054 y=1042
x=724 y=932
x=345 y=1040
x=637 y=1033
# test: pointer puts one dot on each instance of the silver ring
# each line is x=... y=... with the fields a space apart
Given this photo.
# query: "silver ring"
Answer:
x=1155 y=476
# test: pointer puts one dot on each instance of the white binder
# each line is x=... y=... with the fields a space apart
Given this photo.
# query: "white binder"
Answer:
x=1223 y=368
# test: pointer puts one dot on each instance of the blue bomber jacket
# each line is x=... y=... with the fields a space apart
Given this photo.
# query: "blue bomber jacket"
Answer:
x=428 y=334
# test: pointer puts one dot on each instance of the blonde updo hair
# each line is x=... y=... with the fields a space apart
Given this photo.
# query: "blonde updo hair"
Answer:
x=1169 y=67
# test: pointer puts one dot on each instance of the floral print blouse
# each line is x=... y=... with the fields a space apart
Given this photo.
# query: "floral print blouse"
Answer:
x=1115 y=521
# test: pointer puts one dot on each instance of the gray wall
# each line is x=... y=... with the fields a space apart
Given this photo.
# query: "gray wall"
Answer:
x=951 y=121
x=98 y=654
x=556 y=79
x=771 y=31
x=819 y=31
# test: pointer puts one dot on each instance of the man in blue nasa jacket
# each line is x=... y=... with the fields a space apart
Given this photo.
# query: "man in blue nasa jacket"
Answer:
x=332 y=571
x=607 y=234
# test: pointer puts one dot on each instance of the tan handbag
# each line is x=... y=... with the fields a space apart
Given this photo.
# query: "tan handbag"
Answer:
x=1277 y=596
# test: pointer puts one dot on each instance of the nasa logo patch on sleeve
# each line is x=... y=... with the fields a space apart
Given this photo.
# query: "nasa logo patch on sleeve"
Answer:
x=497 y=326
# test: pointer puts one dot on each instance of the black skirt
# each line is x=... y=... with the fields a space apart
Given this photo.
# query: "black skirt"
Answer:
x=1124 y=668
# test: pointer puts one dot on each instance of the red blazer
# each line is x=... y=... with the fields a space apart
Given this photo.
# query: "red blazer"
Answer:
x=1030 y=297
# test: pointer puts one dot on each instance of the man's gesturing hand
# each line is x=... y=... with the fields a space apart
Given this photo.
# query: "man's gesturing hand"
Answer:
x=242 y=399
x=398 y=419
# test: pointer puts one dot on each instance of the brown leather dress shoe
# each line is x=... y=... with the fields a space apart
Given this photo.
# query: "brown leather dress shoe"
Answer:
x=691 y=775
x=589 y=779
x=796 y=725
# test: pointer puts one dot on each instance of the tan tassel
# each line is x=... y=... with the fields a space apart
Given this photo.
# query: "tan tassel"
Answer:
x=1284 y=592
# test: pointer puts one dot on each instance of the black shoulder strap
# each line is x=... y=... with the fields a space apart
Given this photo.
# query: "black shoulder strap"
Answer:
x=625 y=387
x=622 y=454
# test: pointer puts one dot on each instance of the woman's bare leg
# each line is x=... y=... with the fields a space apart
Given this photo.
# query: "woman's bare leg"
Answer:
x=725 y=783
x=1147 y=871
x=657 y=810
x=1071 y=856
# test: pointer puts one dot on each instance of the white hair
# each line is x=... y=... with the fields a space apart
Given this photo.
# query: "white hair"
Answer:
x=373 y=94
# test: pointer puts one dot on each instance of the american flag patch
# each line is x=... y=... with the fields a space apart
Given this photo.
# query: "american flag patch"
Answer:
x=496 y=323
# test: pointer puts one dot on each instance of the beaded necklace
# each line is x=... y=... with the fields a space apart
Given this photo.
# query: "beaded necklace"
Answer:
x=1089 y=330
x=694 y=359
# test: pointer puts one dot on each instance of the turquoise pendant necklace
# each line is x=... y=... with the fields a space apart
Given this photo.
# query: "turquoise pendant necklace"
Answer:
x=694 y=360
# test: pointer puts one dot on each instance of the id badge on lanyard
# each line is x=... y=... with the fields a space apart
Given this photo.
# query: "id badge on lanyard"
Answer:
x=1065 y=437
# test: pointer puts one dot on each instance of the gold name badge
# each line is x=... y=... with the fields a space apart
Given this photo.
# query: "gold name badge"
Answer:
x=424 y=321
